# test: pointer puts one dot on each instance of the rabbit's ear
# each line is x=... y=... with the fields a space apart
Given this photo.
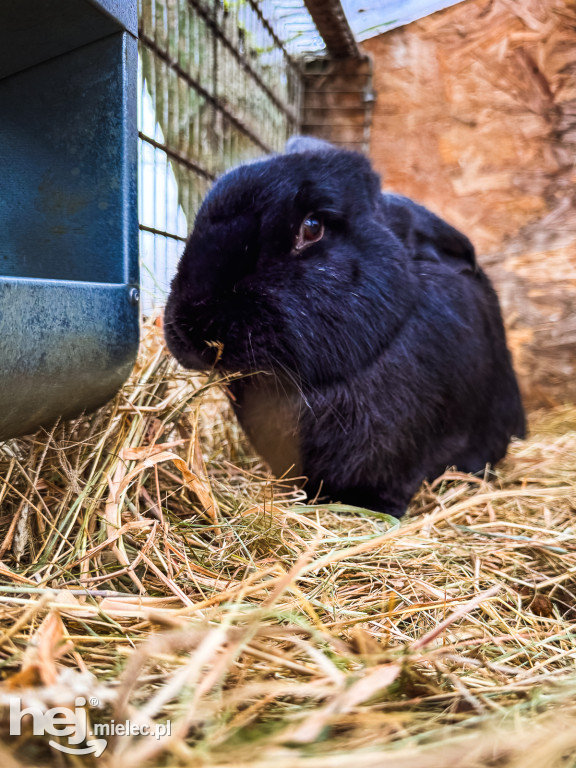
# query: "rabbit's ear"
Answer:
x=427 y=236
x=457 y=250
x=298 y=144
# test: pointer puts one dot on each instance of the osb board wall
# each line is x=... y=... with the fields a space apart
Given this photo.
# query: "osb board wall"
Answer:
x=475 y=116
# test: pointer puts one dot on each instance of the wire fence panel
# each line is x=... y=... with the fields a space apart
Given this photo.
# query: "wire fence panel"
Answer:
x=218 y=85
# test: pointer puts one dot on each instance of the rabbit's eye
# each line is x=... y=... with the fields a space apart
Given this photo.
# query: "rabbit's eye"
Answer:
x=311 y=230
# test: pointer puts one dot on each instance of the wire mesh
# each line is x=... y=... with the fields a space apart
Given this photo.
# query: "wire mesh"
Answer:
x=218 y=85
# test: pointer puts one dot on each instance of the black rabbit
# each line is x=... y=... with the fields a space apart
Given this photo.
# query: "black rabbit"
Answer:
x=374 y=340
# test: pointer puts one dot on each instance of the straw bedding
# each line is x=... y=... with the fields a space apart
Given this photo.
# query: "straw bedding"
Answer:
x=148 y=560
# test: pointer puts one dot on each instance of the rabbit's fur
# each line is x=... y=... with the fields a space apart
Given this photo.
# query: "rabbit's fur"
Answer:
x=377 y=354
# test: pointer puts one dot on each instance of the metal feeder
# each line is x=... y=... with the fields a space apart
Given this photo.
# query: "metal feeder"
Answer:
x=68 y=207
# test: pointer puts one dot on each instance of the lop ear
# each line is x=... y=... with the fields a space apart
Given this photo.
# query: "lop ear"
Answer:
x=427 y=236
x=297 y=144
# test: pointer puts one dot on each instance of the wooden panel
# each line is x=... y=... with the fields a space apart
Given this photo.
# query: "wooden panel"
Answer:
x=337 y=103
x=475 y=117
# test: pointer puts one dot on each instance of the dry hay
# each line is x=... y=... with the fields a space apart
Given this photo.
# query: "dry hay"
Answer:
x=147 y=559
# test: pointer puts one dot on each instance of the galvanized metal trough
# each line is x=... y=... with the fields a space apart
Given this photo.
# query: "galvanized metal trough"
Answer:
x=68 y=210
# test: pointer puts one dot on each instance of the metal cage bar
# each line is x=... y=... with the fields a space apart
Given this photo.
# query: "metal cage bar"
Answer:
x=218 y=86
